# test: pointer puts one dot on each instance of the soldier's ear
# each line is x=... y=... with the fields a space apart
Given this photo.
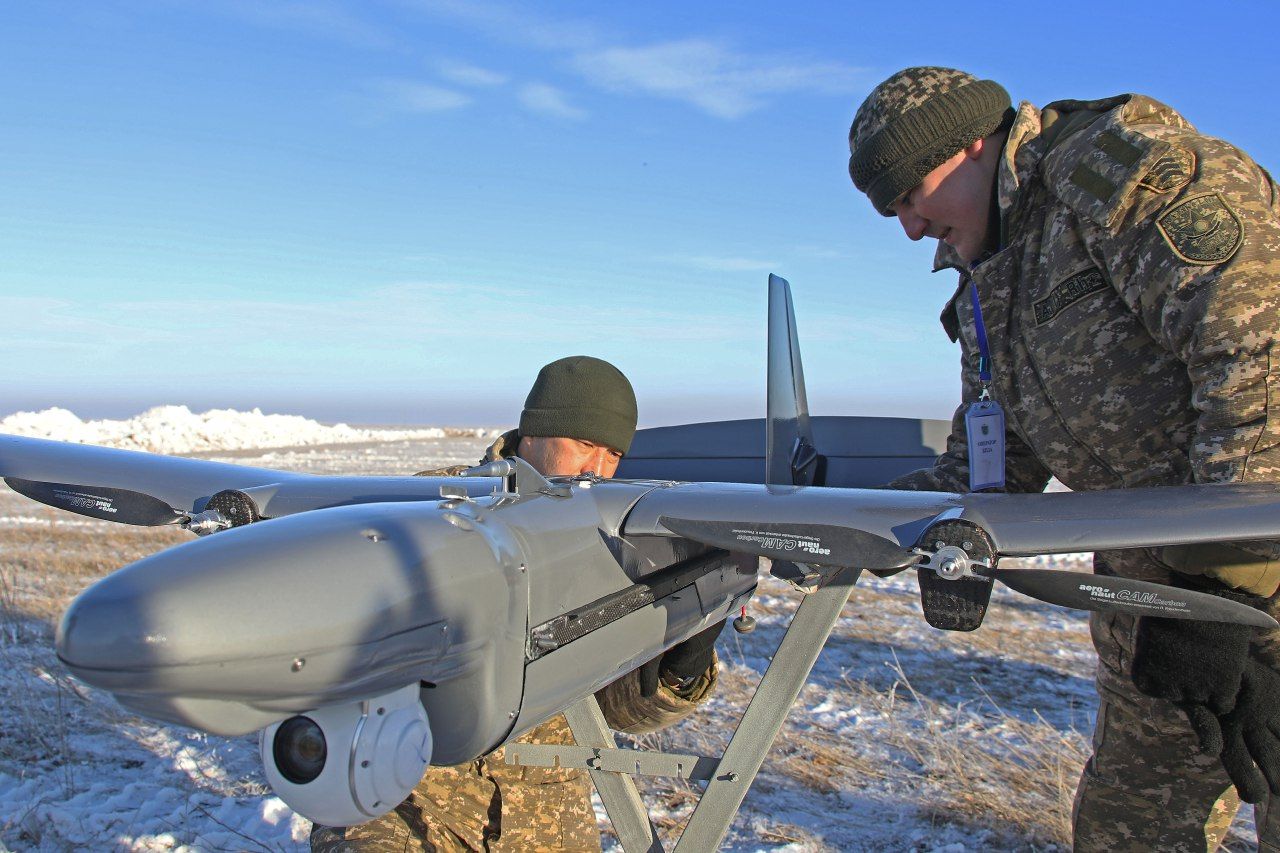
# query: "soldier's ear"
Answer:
x=974 y=149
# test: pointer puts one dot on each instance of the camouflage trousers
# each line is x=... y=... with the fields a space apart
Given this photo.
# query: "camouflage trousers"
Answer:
x=483 y=806
x=1147 y=786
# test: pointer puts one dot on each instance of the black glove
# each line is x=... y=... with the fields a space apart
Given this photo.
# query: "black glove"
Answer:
x=1231 y=699
x=1197 y=666
x=1251 y=734
x=682 y=662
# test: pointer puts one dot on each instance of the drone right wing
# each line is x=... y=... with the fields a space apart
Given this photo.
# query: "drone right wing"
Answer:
x=957 y=540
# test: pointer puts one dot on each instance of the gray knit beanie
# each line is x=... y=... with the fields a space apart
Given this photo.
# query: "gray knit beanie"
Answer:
x=914 y=122
x=581 y=397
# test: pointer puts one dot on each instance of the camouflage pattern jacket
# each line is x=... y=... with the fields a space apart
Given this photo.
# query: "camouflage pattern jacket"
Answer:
x=1131 y=312
x=625 y=709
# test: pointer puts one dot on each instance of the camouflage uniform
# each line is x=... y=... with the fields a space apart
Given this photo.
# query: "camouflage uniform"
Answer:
x=1132 y=317
x=490 y=805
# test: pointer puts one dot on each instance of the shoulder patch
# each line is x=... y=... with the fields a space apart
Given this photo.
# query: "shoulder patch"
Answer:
x=1095 y=171
x=1202 y=229
x=1170 y=172
x=1118 y=148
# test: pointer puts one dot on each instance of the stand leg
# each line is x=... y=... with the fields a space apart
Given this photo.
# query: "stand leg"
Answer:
x=763 y=718
x=618 y=792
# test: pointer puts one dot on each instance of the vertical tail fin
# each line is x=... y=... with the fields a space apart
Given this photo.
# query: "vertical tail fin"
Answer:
x=791 y=457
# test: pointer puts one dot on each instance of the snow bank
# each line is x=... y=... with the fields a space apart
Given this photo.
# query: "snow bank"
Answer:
x=176 y=429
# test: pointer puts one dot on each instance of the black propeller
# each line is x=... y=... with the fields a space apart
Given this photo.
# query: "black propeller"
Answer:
x=104 y=502
x=1105 y=592
x=835 y=545
x=821 y=544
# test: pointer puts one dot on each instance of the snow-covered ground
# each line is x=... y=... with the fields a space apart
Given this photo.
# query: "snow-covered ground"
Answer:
x=905 y=738
x=176 y=429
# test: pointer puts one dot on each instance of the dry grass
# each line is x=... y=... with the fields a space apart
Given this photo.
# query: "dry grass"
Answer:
x=42 y=567
x=46 y=567
x=994 y=769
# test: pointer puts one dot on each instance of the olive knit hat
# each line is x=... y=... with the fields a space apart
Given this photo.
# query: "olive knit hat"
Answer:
x=914 y=122
x=581 y=397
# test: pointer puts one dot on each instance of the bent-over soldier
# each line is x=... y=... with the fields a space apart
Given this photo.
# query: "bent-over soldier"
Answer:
x=579 y=418
x=1117 y=305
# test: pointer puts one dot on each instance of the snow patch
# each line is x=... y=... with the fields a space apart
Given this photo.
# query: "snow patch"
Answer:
x=176 y=429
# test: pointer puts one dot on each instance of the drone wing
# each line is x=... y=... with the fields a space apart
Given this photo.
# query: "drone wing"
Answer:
x=179 y=483
x=887 y=529
x=1062 y=522
x=149 y=489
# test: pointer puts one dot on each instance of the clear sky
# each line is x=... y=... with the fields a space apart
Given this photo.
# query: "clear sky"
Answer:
x=396 y=210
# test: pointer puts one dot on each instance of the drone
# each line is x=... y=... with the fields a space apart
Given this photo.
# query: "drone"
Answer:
x=367 y=627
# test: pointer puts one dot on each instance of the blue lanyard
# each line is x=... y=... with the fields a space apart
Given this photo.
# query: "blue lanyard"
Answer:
x=984 y=350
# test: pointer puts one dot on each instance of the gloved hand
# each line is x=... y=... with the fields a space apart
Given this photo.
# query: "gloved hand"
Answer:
x=1197 y=666
x=1251 y=734
x=1231 y=699
x=682 y=662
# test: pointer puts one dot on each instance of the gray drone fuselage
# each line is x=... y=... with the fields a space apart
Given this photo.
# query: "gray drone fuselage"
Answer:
x=505 y=607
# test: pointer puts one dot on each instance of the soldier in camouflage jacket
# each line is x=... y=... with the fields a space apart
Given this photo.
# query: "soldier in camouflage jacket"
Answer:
x=1128 y=275
x=488 y=805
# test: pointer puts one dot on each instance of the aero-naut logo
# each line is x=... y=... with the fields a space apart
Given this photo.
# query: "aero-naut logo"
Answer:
x=1129 y=596
x=786 y=542
x=83 y=500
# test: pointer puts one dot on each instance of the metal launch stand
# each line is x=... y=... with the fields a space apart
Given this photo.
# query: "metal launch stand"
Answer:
x=727 y=778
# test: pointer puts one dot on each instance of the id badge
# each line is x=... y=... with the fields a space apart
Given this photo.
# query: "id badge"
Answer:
x=984 y=425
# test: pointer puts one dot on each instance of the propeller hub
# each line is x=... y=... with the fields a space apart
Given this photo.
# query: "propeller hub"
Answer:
x=952 y=562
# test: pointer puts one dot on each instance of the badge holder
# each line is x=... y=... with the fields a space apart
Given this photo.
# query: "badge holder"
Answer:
x=984 y=420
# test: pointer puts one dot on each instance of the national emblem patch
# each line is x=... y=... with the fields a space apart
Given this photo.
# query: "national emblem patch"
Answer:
x=1202 y=230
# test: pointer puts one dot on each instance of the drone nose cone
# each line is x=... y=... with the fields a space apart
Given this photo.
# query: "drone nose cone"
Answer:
x=290 y=607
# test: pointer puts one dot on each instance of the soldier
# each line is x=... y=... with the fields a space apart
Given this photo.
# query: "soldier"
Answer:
x=579 y=418
x=1117 y=307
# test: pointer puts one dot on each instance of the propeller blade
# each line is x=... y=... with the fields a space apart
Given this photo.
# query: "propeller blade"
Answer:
x=1105 y=592
x=821 y=544
x=104 y=502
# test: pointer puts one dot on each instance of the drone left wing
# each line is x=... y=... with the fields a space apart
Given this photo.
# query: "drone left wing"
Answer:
x=180 y=483
x=148 y=489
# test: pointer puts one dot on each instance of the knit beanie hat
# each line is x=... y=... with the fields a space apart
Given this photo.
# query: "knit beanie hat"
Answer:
x=581 y=397
x=914 y=122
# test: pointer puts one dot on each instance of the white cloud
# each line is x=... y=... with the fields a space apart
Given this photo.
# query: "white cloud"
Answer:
x=709 y=75
x=728 y=264
x=516 y=24
x=417 y=97
x=549 y=101
x=465 y=74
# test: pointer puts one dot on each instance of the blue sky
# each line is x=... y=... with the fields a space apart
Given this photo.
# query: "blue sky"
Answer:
x=397 y=211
